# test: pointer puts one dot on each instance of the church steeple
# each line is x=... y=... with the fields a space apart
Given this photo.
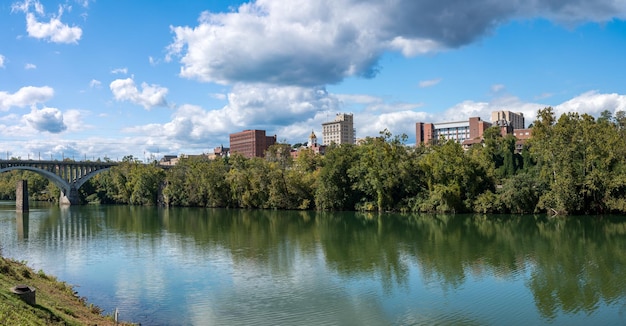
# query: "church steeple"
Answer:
x=312 y=139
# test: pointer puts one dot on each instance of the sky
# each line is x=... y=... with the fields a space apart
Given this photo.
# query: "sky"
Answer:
x=89 y=79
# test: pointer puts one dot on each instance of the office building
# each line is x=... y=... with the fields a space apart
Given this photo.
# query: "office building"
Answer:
x=459 y=131
x=339 y=131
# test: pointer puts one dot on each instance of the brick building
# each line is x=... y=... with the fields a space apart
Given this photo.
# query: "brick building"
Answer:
x=251 y=143
x=459 y=131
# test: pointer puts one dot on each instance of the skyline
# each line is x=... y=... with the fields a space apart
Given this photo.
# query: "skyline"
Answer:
x=83 y=78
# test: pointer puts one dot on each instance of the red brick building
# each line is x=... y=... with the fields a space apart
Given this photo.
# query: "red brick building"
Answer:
x=251 y=143
x=459 y=131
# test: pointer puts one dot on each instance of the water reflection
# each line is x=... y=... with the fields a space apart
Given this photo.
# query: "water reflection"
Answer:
x=252 y=266
x=21 y=224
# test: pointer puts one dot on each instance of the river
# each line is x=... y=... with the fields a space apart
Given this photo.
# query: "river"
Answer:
x=193 y=266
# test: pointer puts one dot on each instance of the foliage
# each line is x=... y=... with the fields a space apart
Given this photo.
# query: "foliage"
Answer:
x=39 y=188
x=56 y=304
x=129 y=183
x=573 y=164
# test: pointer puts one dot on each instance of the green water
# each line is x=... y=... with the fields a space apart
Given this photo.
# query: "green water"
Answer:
x=187 y=266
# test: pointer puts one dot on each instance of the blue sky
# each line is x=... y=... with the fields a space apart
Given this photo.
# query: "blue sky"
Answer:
x=95 y=79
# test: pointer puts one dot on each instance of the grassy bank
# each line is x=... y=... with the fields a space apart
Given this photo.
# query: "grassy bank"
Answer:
x=56 y=302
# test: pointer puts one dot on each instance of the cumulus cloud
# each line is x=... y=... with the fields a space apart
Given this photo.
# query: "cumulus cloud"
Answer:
x=249 y=107
x=298 y=110
x=310 y=43
x=54 y=30
x=1 y=61
x=369 y=123
x=46 y=119
x=593 y=103
x=25 y=96
x=30 y=66
x=150 y=95
x=400 y=122
x=265 y=104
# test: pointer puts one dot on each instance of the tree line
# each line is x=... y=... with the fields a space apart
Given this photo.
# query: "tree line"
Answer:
x=573 y=164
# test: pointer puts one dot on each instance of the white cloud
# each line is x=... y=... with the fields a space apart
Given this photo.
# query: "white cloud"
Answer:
x=429 y=83
x=372 y=104
x=312 y=43
x=25 y=96
x=24 y=6
x=266 y=104
x=120 y=71
x=73 y=119
x=150 y=95
x=153 y=61
x=466 y=109
x=46 y=119
x=369 y=123
x=358 y=98
x=218 y=96
x=288 y=112
x=2 y=61
x=54 y=30
x=250 y=106
x=593 y=103
x=401 y=122
x=94 y=83
x=413 y=47
x=298 y=110
x=30 y=66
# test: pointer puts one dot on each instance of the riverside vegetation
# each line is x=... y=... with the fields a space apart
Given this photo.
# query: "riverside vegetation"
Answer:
x=575 y=164
x=56 y=302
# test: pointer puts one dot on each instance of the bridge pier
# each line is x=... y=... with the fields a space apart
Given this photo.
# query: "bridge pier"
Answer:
x=21 y=196
x=70 y=197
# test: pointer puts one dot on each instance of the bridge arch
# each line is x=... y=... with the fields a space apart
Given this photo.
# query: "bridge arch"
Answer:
x=69 y=188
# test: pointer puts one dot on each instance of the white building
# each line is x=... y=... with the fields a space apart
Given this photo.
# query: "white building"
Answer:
x=340 y=131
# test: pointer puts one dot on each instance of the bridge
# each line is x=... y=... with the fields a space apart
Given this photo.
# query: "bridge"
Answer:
x=69 y=176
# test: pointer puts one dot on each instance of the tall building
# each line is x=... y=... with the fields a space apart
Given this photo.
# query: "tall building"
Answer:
x=508 y=118
x=251 y=143
x=459 y=131
x=340 y=131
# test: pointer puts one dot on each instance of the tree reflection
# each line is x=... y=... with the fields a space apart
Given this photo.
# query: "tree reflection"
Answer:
x=570 y=265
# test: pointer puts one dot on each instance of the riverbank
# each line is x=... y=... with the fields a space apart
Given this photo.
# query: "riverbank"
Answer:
x=56 y=301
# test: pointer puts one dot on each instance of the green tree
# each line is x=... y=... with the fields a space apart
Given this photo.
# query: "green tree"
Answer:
x=453 y=180
x=378 y=173
x=334 y=185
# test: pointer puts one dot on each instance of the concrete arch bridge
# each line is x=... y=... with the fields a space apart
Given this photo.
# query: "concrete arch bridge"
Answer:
x=69 y=176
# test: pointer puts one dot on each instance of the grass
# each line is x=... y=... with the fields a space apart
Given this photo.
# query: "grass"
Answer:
x=56 y=302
